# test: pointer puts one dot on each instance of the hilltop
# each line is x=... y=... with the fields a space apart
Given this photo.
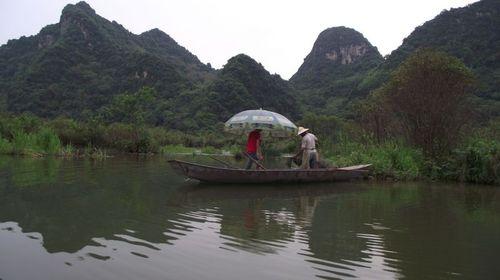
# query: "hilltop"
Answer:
x=332 y=72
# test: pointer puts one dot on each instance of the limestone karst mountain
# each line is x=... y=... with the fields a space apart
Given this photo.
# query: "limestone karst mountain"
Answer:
x=331 y=74
x=74 y=67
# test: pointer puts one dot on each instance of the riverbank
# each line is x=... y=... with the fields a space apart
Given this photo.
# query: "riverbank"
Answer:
x=32 y=136
x=476 y=160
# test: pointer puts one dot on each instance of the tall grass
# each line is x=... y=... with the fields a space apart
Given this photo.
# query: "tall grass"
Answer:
x=44 y=141
x=389 y=159
x=47 y=141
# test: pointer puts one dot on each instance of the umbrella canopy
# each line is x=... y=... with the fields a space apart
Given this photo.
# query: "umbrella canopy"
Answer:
x=271 y=123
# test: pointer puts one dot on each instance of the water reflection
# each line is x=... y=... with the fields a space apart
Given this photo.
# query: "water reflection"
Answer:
x=133 y=219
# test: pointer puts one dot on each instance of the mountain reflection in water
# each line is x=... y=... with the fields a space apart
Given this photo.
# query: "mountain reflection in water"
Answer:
x=132 y=218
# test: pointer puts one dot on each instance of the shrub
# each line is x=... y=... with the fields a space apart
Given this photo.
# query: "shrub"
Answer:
x=23 y=143
x=70 y=132
x=129 y=138
x=121 y=136
x=47 y=141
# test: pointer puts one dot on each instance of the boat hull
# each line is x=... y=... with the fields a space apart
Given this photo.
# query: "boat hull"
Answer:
x=213 y=174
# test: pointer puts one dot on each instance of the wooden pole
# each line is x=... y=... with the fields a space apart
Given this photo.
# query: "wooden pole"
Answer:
x=256 y=162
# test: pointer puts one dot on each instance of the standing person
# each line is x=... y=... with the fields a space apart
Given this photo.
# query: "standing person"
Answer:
x=307 y=148
x=253 y=147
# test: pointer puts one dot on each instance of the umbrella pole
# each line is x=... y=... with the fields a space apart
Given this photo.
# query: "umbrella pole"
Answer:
x=256 y=162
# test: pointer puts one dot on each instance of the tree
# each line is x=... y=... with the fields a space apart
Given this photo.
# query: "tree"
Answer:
x=327 y=128
x=427 y=96
x=374 y=116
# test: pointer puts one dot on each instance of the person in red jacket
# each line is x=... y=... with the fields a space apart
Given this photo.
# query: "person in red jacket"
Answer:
x=253 y=147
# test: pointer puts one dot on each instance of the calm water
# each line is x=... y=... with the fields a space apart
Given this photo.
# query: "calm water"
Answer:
x=133 y=218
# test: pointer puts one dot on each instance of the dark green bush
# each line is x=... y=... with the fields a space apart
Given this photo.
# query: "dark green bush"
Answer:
x=476 y=162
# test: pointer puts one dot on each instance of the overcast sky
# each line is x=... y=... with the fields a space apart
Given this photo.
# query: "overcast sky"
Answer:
x=277 y=33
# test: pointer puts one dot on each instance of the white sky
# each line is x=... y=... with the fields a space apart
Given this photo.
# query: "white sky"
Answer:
x=277 y=33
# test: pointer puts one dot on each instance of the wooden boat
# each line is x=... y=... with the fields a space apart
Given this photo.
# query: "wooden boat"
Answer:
x=214 y=174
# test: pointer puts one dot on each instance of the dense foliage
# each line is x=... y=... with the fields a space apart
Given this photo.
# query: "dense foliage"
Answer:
x=76 y=66
x=241 y=85
x=87 y=68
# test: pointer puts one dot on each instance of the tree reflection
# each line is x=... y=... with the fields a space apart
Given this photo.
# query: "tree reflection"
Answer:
x=70 y=202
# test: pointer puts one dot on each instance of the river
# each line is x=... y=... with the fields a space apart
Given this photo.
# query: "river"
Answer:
x=133 y=218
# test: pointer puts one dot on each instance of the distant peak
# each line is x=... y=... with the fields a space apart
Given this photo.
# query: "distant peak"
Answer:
x=339 y=29
x=243 y=61
x=155 y=31
x=342 y=44
x=341 y=33
x=157 y=35
x=242 y=58
x=81 y=6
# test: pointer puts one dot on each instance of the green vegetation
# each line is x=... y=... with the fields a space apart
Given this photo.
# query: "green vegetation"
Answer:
x=476 y=159
x=342 y=143
x=426 y=102
x=471 y=34
x=417 y=125
x=30 y=135
x=108 y=74
x=391 y=159
x=26 y=136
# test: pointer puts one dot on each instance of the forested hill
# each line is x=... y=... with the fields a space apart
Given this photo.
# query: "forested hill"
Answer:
x=472 y=34
x=241 y=84
x=331 y=74
x=76 y=66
